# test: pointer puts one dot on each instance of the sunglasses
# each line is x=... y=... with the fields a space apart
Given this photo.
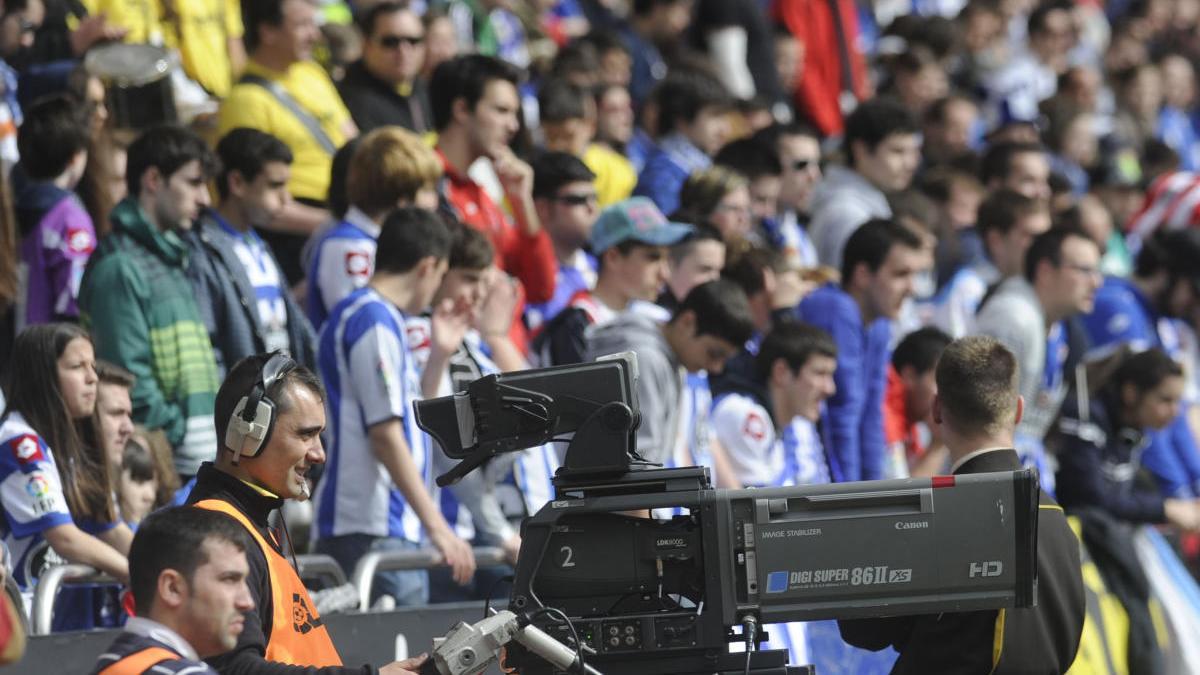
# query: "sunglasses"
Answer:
x=803 y=164
x=577 y=199
x=394 y=41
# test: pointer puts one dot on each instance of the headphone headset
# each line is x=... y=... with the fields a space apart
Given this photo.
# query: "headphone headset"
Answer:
x=253 y=417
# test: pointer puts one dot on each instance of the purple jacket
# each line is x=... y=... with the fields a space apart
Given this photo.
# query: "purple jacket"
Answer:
x=58 y=237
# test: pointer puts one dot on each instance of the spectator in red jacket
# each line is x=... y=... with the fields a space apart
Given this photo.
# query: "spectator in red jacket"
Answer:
x=475 y=110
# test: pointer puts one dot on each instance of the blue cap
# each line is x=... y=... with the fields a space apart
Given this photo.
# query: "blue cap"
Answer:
x=635 y=219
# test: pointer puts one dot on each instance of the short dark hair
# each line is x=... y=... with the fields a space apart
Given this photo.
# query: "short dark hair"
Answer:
x=471 y=250
x=721 y=310
x=465 y=77
x=576 y=57
x=872 y=242
x=111 y=373
x=552 y=170
x=752 y=157
x=920 y=350
x=604 y=40
x=1048 y=246
x=778 y=131
x=247 y=151
x=242 y=377
x=256 y=13
x=173 y=539
x=339 y=175
x=643 y=7
x=935 y=114
x=167 y=148
x=559 y=101
x=749 y=269
x=873 y=121
x=1001 y=210
x=794 y=342
x=1175 y=251
x=700 y=232
x=997 y=161
x=53 y=133
x=366 y=20
x=684 y=93
x=408 y=236
x=977 y=384
x=1040 y=14
x=1145 y=370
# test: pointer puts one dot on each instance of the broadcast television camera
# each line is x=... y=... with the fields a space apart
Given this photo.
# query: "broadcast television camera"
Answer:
x=639 y=596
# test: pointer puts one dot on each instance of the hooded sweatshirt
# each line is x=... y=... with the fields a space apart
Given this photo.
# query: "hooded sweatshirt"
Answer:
x=841 y=202
x=660 y=378
x=141 y=310
x=57 y=237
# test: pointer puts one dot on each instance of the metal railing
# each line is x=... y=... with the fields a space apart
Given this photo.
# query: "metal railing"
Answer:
x=417 y=559
x=50 y=582
x=316 y=566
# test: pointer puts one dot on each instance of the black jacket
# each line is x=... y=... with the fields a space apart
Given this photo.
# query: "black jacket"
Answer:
x=1036 y=640
x=375 y=103
x=228 y=304
x=247 y=657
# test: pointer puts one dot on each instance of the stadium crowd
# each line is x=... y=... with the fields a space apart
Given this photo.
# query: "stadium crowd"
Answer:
x=787 y=208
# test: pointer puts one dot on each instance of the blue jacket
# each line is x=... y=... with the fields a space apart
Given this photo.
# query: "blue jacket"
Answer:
x=853 y=417
x=667 y=167
x=1123 y=315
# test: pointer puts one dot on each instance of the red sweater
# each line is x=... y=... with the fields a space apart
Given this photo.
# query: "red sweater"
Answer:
x=528 y=258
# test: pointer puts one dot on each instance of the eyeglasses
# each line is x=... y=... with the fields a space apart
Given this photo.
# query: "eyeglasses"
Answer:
x=577 y=199
x=394 y=41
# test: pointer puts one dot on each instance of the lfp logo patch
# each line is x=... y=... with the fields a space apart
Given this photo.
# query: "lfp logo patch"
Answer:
x=777 y=582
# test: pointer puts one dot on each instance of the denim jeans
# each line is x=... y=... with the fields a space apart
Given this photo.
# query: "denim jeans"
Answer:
x=409 y=588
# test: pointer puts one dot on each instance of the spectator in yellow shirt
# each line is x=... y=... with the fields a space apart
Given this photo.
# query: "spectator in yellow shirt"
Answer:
x=568 y=116
x=208 y=35
x=283 y=92
x=141 y=19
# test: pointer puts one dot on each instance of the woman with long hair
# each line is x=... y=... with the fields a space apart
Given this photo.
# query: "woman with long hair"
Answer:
x=52 y=488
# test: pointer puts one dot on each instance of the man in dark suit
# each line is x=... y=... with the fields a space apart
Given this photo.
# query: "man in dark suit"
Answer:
x=978 y=408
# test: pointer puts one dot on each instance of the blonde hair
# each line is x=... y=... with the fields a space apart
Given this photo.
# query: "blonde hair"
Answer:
x=390 y=165
x=703 y=190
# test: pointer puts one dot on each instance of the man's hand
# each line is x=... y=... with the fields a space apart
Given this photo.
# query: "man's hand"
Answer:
x=1183 y=513
x=405 y=667
x=92 y=30
x=512 y=547
x=516 y=176
x=458 y=554
x=495 y=315
x=449 y=324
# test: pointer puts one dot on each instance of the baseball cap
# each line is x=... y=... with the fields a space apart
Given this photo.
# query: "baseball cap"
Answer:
x=635 y=219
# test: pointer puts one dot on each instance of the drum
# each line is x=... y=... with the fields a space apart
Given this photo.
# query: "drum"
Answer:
x=138 y=81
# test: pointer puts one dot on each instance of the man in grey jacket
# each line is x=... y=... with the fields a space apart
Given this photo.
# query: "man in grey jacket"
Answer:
x=240 y=288
x=883 y=149
x=711 y=323
x=1026 y=314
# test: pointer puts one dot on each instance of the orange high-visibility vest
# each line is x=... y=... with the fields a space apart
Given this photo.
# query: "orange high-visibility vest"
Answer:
x=140 y=661
x=298 y=635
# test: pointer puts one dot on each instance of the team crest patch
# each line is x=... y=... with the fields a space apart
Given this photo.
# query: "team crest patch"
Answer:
x=358 y=264
x=26 y=450
x=303 y=619
x=80 y=240
x=755 y=427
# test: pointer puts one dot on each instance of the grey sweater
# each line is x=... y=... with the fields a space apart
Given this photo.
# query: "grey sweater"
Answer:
x=660 y=378
x=841 y=202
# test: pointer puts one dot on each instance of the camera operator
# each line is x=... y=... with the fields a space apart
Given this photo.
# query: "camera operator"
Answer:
x=978 y=408
x=187 y=573
x=262 y=462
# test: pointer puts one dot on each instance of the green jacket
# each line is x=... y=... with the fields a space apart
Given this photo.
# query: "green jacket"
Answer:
x=141 y=310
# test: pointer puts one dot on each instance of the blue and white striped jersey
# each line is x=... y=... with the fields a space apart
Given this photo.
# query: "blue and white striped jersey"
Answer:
x=370 y=375
x=31 y=492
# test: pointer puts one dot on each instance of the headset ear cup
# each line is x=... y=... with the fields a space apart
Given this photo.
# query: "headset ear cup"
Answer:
x=265 y=417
